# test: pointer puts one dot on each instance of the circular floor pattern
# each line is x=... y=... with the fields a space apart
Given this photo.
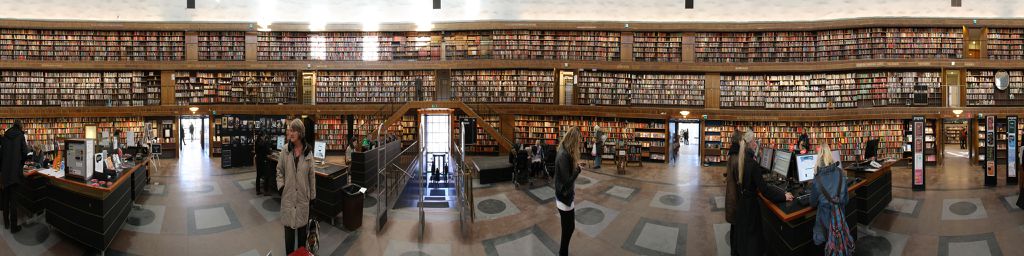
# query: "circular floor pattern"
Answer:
x=369 y=201
x=963 y=208
x=671 y=200
x=873 y=245
x=32 y=234
x=141 y=217
x=491 y=206
x=273 y=205
x=583 y=181
x=415 y=253
x=589 y=216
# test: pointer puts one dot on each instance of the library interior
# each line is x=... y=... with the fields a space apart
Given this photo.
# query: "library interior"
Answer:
x=469 y=127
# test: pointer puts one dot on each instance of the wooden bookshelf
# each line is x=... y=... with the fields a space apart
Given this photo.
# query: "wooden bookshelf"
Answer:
x=504 y=86
x=603 y=88
x=221 y=45
x=981 y=89
x=890 y=43
x=91 y=45
x=410 y=130
x=349 y=46
x=658 y=46
x=830 y=90
x=333 y=130
x=667 y=89
x=234 y=87
x=1005 y=43
x=743 y=91
x=847 y=136
x=79 y=89
x=556 y=45
x=368 y=86
x=468 y=45
x=529 y=129
x=485 y=143
x=954 y=133
x=741 y=47
x=930 y=141
x=43 y=131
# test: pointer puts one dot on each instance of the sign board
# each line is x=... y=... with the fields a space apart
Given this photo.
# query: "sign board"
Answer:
x=1011 y=148
x=990 y=151
x=918 y=179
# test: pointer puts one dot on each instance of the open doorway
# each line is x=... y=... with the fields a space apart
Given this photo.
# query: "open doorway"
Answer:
x=956 y=152
x=193 y=132
x=687 y=134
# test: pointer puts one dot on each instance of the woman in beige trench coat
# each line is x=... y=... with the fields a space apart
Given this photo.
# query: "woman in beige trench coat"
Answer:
x=297 y=183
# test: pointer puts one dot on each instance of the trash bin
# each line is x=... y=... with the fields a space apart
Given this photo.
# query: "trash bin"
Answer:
x=352 y=216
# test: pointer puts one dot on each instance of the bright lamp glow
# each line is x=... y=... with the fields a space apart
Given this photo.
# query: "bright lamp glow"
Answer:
x=193 y=109
x=957 y=112
x=684 y=113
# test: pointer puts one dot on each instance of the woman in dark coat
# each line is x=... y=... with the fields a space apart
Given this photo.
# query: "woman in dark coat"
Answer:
x=12 y=158
x=567 y=169
x=747 y=218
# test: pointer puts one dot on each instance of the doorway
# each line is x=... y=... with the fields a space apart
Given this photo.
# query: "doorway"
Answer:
x=687 y=133
x=956 y=151
x=193 y=132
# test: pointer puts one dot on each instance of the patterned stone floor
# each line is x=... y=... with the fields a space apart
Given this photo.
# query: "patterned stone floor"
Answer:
x=193 y=207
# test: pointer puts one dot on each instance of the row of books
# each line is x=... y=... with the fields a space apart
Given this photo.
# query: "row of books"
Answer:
x=44 y=131
x=846 y=136
x=221 y=45
x=247 y=87
x=79 y=89
x=374 y=86
x=504 y=86
x=348 y=46
x=981 y=89
x=828 y=90
x=658 y=46
x=640 y=89
x=94 y=45
x=1005 y=44
x=829 y=45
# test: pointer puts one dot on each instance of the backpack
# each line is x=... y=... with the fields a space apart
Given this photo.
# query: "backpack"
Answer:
x=837 y=238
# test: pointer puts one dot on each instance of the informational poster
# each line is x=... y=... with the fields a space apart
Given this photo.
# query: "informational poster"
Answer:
x=918 y=149
x=990 y=151
x=1011 y=148
x=130 y=139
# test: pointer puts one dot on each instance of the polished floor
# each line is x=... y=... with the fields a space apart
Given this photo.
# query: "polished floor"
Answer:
x=193 y=207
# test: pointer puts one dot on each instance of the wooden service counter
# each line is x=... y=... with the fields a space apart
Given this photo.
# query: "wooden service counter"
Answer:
x=90 y=214
x=788 y=226
x=330 y=179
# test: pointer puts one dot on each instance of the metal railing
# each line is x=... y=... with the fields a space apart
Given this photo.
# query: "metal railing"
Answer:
x=392 y=178
x=463 y=179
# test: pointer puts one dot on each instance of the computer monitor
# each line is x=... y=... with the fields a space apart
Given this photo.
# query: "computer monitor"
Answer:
x=781 y=162
x=805 y=166
x=280 y=142
x=870 y=149
x=766 y=158
x=320 y=150
x=838 y=157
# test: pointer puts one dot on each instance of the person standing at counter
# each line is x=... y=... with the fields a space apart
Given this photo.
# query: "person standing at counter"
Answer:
x=13 y=152
x=297 y=183
x=567 y=169
x=829 y=196
x=747 y=216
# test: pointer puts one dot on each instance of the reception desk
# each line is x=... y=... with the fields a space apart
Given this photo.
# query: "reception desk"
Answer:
x=89 y=214
x=788 y=226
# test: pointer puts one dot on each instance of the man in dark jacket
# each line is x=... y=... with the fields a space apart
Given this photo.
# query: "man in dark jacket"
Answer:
x=261 y=151
x=12 y=158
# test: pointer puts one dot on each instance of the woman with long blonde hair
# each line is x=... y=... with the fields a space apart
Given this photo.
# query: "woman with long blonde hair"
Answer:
x=829 y=195
x=567 y=169
x=746 y=226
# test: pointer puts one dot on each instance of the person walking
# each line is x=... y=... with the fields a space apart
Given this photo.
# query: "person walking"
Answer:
x=567 y=169
x=13 y=154
x=192 y=131
x=598 y=149
x=963 y=139
x=297 y=183
x=686 y=136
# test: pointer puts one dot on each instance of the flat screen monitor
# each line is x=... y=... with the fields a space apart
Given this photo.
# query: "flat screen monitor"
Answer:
x=870 y=149
x=320 y=150
x=280 y=142
x=766 y=158
x=805 y=167
x=838 y=157
x=781 y=162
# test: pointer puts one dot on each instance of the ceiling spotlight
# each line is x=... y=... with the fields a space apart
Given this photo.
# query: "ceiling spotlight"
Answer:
x=190 y=4
x=437 y=4
x=689 y=4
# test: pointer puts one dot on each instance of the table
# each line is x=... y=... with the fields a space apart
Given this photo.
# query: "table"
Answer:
x=91 y=215
x=788 y=226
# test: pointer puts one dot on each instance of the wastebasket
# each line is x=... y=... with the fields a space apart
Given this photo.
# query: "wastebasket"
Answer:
x=352 y=213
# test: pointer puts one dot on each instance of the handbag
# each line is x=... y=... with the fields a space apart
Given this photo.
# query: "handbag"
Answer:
x=313 y=235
